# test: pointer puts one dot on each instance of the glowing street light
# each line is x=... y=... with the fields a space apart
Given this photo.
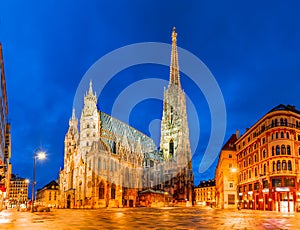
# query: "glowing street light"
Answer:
x=233 y=170
x=37 y=155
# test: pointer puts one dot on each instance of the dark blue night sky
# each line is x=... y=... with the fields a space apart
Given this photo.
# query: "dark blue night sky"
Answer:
x=251 y=47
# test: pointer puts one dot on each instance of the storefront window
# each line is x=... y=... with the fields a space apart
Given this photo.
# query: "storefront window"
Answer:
x=276 y=182
x=289 y=182
x=265 y=184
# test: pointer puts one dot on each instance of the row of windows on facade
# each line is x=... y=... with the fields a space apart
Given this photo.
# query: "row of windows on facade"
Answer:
x=18 y=192
x=276 y=182
x=19 y=182
x=89 y=126
x=113 y=165
x=276 y=151
x=282 y=135
x=276 y=166
x=276 y=136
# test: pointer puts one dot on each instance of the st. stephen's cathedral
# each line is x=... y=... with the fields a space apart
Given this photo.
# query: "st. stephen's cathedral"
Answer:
x=107 y=163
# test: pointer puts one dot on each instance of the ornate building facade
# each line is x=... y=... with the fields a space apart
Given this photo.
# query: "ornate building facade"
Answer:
x=48 y=196
x=107 y=163
x=205 y=193
x=18 y=192
x=267 y=158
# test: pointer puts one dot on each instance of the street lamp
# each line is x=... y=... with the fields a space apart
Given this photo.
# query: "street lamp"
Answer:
x=40 y=155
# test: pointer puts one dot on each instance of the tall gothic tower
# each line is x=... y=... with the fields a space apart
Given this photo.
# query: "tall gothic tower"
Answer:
x=175 y=141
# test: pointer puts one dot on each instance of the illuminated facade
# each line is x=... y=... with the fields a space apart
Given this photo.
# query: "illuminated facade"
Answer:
x=103 y=161
x=175 y=140
x=49 y=195
x=108 y=163
x=226 y=175
x=5 y=141
x=205 y=193
x=18 y=193
x=268 y=162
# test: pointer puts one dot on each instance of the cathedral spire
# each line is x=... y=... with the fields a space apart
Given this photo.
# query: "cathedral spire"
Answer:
x=174 y=67
x=73 y=114
x=91 y=88
x=73 y=122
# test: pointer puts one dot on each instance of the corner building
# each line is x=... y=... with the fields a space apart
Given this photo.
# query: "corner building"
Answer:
x=226 y=179
x=108 y=163
x=268 y=156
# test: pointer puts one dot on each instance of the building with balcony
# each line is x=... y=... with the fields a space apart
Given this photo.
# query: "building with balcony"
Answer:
x=268 y=157
x=205 y=193
x=18 y=193
x=226 y=175
x=48 y=195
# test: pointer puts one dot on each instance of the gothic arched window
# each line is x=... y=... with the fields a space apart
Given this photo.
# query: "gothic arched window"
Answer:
x=171 y=148
x=113 y=192
x=101 y=191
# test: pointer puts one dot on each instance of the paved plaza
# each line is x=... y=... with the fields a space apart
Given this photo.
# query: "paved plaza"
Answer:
x=148 y=218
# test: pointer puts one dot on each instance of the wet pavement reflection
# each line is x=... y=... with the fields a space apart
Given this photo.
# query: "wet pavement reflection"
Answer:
x=148 y=218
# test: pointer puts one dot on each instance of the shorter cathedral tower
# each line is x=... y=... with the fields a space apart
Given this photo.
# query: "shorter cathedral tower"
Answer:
x=89 y=122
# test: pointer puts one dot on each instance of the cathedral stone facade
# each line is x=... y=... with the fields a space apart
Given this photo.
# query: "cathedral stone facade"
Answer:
x=107 y=163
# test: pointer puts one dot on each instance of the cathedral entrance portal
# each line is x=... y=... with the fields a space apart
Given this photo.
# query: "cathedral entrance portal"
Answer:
x=69 y=201
x=131 y=203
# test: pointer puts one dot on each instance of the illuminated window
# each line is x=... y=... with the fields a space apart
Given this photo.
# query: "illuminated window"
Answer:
x=281 y=121
x=283 y=165
x=283 y=150
x=288 y=182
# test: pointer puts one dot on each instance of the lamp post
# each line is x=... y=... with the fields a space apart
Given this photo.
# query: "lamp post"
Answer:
x=40 y=155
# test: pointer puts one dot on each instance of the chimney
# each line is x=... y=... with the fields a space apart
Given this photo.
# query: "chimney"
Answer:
x=237 y=134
